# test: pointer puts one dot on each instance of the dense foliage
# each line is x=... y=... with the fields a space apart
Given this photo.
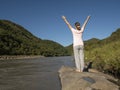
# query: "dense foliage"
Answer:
x=16 y=40
x=105 y=54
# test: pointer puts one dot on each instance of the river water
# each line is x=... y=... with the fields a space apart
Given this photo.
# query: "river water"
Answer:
x=32 y=74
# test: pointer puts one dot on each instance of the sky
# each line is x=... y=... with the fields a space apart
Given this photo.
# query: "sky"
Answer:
x=43 y=17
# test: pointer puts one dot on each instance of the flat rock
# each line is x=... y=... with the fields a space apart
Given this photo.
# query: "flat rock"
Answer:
x=72 y=80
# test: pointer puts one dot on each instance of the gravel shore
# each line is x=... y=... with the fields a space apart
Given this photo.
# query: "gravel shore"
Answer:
x=9 y=57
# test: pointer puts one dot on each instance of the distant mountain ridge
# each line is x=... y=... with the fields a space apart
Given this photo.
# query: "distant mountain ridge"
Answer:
x=16 y=40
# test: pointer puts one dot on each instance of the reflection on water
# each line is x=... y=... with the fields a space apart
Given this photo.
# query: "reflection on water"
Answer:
x=32 y=74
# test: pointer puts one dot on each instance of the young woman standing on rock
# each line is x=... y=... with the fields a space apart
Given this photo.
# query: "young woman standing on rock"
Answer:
x=78 y=44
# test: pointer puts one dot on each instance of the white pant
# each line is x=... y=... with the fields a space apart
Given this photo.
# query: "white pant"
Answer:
x=79 y=56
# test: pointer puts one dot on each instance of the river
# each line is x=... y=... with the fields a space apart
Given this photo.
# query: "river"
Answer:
x=32 y=74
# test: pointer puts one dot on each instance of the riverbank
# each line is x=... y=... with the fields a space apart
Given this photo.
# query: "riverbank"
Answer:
x=9 y=57
x=72 y=80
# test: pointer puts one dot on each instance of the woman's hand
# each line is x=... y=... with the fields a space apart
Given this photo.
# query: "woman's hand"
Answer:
x=63 y=17
x=88 y=16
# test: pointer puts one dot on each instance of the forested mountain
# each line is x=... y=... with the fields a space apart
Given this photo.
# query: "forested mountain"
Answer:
x=95 y=43
x=105 y=53
x=16 y=40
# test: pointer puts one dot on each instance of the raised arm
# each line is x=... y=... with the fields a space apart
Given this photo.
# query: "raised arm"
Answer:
x=83 y=26
x=68 y=24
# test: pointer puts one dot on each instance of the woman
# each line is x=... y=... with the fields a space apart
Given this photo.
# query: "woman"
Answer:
x=78 y=44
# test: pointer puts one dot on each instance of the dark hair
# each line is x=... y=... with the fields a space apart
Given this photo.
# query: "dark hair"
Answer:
x=77 y=24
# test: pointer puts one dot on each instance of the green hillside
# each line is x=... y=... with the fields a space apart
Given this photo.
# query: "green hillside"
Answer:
x=105 y=53
x=16 y=40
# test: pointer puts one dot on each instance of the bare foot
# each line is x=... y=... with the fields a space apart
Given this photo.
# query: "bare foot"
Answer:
x=78 y=70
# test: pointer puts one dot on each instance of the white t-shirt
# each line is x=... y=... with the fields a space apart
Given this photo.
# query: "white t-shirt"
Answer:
x=77 y=37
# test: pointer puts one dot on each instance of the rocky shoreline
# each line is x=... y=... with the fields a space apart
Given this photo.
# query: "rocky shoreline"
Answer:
x=9 y=57
x=92 y=80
